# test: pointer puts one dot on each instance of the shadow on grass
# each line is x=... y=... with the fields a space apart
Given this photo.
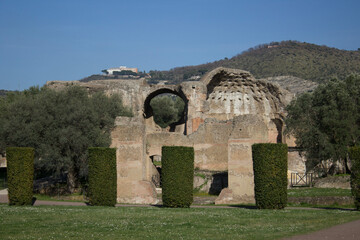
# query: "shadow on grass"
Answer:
x=300 y=207
x=210 y=206
x=162 y=206
x=337 y=208
x=245 y=206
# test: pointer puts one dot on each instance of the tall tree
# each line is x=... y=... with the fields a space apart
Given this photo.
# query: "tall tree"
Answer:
x=60 y=125
x=326 y=122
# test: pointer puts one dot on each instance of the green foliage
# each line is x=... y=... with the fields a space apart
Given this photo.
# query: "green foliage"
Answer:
x=167 y=109
x=74 y=197
x=82 y=222
x=60 y=126
x=326 y=122
x=270 y=175
x=157 y=163
x=102 y=176
x=20 y=174
x=3 y=92
x=354 y=154
x=98 y=77
x=116 y=75
x=125 y=72
x=303 y=60
x=177 y=176
x=318 y=192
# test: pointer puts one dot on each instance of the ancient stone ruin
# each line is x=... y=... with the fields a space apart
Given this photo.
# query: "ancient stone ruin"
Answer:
x=225 y=113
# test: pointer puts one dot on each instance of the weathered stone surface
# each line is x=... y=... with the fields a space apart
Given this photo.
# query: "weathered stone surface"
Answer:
x=201 y=182
x=227 y=196
x=293 y=84
x=296 y=161
x=333 y=182
x=136 y=191
x=211 y=182
x=225 y=113
x=3 y=163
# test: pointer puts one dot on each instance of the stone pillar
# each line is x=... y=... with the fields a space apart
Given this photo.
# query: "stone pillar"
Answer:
x=195 y=93
x=132 y=183
x=247 y=130
x=240 y=174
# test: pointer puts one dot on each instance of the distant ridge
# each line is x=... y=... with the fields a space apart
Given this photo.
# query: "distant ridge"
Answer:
x=3 y=92
x=287 y=58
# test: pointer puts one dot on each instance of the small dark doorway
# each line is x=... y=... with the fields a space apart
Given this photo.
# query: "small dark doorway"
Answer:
x=156 y=176
x=219 y=182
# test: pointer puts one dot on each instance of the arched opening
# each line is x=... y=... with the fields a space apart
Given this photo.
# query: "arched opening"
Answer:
x=276 y=131
x=168 y=108
x=279 y=128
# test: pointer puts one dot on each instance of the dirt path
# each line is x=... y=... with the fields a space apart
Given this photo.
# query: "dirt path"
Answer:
x=346 y=231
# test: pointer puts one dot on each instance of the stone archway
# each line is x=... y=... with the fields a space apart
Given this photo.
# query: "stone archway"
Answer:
x=148 y=111
x=225 y=113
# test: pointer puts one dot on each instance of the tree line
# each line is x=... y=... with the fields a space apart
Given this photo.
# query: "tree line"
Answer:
x=60 y=126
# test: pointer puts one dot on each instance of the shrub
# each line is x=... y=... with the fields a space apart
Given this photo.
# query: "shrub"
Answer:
x=102 y=176
x=177 y=176
x=354 y=154
x=270 y=175
x=20 y=175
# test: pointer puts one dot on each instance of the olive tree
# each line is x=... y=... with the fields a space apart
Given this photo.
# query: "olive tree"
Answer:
x=60 y=126
x=327 y=121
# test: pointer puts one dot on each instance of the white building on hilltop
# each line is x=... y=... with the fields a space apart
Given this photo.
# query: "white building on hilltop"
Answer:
x=111 y=71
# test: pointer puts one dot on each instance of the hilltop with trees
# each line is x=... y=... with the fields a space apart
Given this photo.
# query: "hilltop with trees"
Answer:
x=296 y=60
x=287 y=58
x=3 y=92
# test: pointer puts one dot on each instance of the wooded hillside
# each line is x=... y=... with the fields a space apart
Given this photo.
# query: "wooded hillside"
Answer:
x=288 y=58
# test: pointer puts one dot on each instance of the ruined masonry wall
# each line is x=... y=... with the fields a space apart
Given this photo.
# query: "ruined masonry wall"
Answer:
x=226 y=112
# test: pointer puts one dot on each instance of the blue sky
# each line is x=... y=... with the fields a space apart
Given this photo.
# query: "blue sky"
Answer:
x=70 y=39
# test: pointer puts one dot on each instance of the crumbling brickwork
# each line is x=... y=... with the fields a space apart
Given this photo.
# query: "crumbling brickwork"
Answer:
x=225 y=113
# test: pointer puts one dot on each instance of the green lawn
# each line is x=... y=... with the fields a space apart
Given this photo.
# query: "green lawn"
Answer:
x=318 y=192
x=75 y=197
x=49 y=222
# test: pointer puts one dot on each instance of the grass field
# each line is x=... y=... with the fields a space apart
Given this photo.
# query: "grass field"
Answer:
x=46 y=222
x=75 y=197
x=318 y=192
